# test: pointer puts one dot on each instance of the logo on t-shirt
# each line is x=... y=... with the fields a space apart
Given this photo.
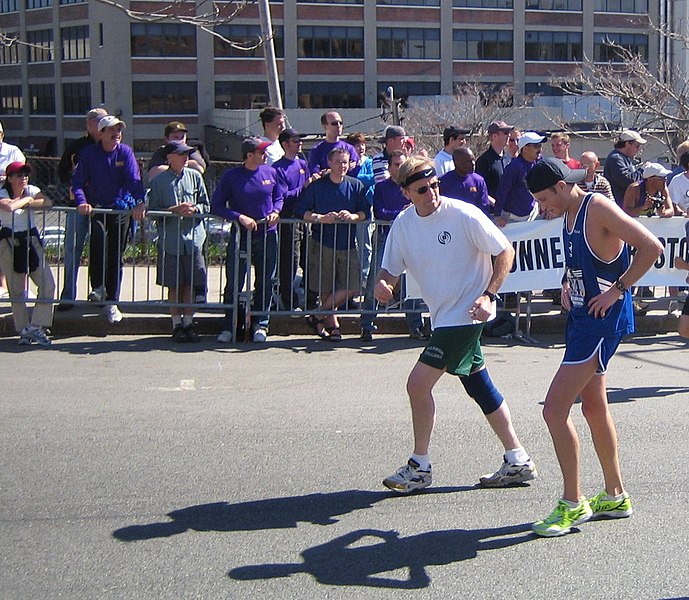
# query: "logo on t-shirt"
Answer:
x=444 y=237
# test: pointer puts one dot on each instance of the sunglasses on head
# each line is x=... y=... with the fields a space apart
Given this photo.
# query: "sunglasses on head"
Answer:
x=433 y=185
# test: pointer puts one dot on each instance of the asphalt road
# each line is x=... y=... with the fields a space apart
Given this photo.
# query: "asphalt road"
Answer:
x=133 y=470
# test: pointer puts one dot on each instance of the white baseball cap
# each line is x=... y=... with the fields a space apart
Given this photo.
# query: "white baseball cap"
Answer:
x=109 y=121
x=654 y=170
x=530 y=137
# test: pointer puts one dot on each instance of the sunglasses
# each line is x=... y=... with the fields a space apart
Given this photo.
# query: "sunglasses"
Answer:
x=334 y=123
x=433 y=185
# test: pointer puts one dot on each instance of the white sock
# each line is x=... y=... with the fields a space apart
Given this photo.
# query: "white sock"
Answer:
x=187 y=320
x=176 y=321
x=516 y=456
x=423 y=460
x=571 y=504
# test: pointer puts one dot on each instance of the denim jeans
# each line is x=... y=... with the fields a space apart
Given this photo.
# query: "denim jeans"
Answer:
x=368 y=314
x=76 y=232
x=264 y=255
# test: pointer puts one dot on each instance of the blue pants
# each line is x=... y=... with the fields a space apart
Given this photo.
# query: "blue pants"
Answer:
x=76 y=232
x=264 y=256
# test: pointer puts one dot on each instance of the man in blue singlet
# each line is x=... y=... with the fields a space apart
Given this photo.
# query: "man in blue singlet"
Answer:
x=596 y=235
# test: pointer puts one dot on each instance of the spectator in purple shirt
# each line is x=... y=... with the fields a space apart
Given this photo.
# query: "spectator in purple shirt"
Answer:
x=318 y=157
x=514 y=201
x=463 y=183
x=388 y=202
x=107 y=176
x=249 y=195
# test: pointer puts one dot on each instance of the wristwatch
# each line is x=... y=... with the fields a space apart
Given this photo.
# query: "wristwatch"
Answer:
x=491 y=296
x=620 y=285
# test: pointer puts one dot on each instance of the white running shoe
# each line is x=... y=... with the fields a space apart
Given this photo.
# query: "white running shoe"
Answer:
x=97 y=294
x=510 y=474
x=225 y=337
x=113 y=313
x=409 y=478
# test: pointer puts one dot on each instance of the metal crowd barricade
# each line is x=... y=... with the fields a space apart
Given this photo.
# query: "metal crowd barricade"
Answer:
x=297 y=286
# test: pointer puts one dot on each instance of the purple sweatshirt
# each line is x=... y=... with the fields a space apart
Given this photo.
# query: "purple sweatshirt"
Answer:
x=291 y=177
x=513 y=195
x=318 y=157
x=471 y=188
x=241 y=191
x=101 y=178
x=388 y=200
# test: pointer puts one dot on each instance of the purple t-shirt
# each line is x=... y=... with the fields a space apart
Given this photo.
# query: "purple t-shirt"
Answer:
x=513 y=195
x=318 y=157
x=242 y=191
x=291 y=177
x=471 y=188
x=388 y=200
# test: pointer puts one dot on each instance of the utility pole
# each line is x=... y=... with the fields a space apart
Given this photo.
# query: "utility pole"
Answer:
x=269 y=54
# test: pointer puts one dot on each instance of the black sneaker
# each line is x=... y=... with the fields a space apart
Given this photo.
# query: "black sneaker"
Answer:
x=419 y=334
x=179 y=335
x=366 y=335
x=191 y=334
x=64 y=307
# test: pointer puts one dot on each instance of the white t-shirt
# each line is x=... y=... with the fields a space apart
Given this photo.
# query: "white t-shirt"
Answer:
x=679 y=191
x=274 y=152
x=448 y=253
x=22 y=219
x=443 y=163
x=9 y=154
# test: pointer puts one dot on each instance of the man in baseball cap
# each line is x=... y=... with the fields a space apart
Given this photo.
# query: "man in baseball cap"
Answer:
x=491 y=164
x=453 y=137
x=620 y=166
x=175 y=131
x=393 y=139
x=252 y=144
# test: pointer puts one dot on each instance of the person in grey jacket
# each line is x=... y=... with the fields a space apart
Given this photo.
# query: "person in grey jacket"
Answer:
x=181 y=266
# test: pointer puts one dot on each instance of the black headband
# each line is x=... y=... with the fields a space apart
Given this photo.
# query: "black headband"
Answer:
x=430 y=172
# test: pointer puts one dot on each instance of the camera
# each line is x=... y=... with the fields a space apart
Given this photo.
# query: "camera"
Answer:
x=657 y=202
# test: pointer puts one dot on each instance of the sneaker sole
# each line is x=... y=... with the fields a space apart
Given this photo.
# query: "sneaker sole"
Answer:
x=616 y=514
x=508 y=481
x=405 y=489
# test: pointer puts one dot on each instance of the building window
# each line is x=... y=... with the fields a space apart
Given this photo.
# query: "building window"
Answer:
x=11 y=100
x=330 y=1
x=163 y=39
x=242 y=94
x=164 y=98
x=246 y=35
x=75 y=42
x=38 y=4
x=40 y=45
x=326 y=94
x=542 y=89
x=403 y=42
x=622 y=6
x=9 y=51
x=76 y=98
x=330 y=42
x=553 y=4
x=42 y=99
x=409 y=2
x=548 y=45
x=482 y=3
x=480 y=44
x=404 y=89
x=8 y=6
x=635 y=43
x=72 y=1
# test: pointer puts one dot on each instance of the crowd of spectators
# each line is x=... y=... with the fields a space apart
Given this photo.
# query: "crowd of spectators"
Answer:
x=318 y=264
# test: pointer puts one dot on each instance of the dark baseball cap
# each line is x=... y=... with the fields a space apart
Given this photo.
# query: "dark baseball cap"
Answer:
x=393 y=131
x=289 y=134
x=177 y=147
x=496 y=126
x=252 y=144
x=173 y=126
x=453 y=131
x=548 y=171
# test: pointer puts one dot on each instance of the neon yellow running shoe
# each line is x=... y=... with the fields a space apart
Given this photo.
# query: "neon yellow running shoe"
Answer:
x=563 y=518
x=604 y=505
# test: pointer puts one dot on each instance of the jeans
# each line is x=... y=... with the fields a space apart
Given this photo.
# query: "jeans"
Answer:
x=264 y=256
x=368 y=314
x=76 y=232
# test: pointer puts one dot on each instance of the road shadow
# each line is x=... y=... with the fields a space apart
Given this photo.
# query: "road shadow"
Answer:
x=272 y=513
x=367 y=557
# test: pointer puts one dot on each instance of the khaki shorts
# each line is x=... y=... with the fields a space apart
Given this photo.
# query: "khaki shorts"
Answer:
x=457 y=350
x=331 y=269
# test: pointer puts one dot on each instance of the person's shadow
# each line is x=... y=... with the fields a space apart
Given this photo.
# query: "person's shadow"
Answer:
x=272 y=513
x=340 y=562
